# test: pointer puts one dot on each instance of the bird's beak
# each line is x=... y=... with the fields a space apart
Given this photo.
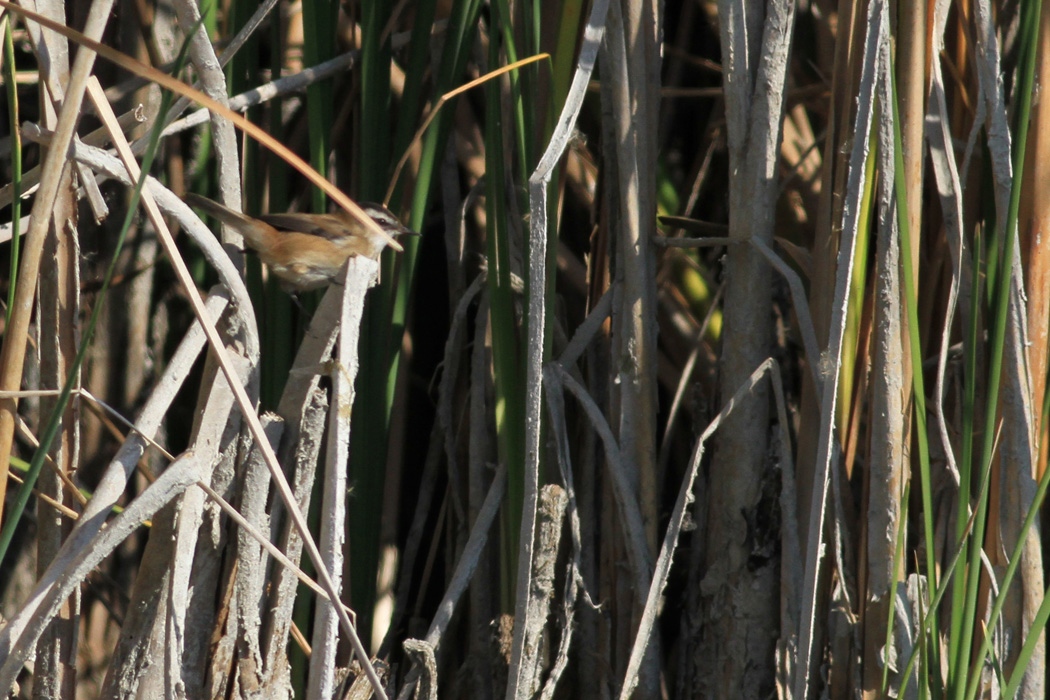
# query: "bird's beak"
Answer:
x=403 y=230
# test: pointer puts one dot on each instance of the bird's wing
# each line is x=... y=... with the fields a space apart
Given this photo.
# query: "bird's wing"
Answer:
x=322 y=225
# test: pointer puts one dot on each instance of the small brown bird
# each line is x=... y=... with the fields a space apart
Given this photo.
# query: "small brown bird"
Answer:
x=306 y=251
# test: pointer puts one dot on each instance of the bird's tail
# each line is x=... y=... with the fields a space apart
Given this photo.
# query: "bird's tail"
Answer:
x=254 y=231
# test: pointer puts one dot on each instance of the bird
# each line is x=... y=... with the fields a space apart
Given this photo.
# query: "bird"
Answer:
x=307 y=251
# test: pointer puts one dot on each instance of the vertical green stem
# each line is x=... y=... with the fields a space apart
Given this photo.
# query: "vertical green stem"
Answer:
x=1000 y=315
x=918 y=385
x=16 y=160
